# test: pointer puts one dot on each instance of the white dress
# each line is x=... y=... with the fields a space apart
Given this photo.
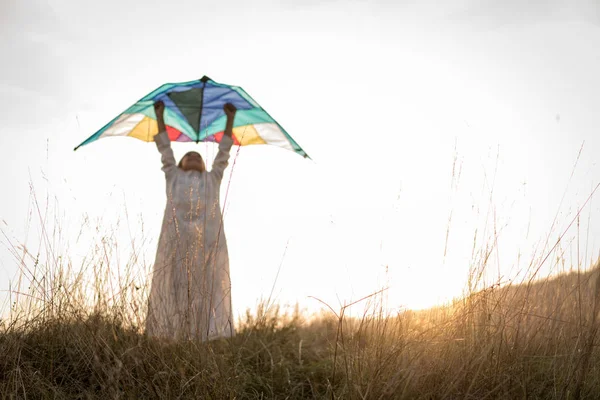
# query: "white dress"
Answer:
x=190 y=295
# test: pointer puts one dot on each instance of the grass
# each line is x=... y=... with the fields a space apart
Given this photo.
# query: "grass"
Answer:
x=72 y=335
x=535 y=340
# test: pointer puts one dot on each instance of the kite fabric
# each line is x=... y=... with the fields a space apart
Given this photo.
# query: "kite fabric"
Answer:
x=194 y=113
x=190 y=296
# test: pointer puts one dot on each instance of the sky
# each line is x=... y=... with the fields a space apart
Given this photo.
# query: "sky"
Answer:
x=438 y=136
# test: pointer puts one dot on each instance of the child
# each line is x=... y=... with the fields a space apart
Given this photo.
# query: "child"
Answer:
x=190 y=295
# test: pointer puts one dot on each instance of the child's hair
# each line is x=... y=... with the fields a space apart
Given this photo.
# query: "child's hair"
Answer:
x=180 y=164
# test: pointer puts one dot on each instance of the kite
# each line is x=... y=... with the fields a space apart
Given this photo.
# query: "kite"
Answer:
x=194 y=113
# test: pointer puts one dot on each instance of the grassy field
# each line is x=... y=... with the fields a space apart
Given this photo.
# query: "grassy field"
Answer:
x=78 y=333
x=533 y=340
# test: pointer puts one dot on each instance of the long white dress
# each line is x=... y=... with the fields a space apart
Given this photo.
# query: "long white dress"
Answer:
x=190 y=295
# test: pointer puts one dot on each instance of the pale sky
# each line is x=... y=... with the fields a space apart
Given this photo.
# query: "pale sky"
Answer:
x=388 y=98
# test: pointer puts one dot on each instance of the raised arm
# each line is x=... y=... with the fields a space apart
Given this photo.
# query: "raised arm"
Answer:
x=163 y=142
x=222 y=158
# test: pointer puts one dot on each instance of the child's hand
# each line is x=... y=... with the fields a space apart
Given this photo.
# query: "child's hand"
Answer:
x=230 y=110
x=159 y=109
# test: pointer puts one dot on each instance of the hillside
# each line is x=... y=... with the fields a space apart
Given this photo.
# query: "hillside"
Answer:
x=535 y=340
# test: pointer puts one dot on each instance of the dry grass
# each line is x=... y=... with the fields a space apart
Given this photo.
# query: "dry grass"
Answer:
x=75 y=333
x=534 y=340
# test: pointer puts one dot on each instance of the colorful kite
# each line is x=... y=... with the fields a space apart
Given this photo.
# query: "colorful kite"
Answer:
x=194 y=113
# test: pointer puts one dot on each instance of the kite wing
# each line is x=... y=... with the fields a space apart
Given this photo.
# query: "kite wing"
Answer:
x=194 y=113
